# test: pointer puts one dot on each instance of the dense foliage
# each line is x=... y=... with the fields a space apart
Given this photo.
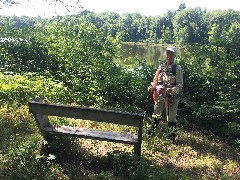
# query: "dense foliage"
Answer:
x=80 y=56
x=78 y=51
x=211 y=88
x=181 y=26
x=70 y=60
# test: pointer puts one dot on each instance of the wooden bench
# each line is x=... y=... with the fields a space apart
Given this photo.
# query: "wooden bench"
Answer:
x=41 y=111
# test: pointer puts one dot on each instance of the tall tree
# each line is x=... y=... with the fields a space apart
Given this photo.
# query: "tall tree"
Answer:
x=219 y=23
x=189 y=26
x=166 y=27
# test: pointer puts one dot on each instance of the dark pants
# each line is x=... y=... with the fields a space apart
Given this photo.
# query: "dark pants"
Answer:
x=154 y=125
x=171 y=128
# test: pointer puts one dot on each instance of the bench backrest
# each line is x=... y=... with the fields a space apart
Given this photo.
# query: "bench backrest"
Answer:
x=85 y=113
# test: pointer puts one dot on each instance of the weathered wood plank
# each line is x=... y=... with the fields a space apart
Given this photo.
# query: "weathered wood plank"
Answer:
x=94 y=134
x=78 y=112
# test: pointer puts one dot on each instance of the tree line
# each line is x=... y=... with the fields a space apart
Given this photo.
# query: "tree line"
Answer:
x=183 y=26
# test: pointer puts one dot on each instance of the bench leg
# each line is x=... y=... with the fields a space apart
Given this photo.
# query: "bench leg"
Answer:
x=137 y=150
x=46 y=144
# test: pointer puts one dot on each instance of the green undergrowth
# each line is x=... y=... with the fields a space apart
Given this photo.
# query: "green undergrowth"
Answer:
x=195 y=155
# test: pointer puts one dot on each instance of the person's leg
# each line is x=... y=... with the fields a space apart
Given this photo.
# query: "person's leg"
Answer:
x=172 y=126
x=157 y=115
x=171 y=112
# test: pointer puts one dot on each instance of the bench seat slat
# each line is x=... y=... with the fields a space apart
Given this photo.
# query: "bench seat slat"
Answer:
x=94 y=134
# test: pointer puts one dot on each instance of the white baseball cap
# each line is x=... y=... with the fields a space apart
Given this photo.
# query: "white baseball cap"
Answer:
x=172 y=48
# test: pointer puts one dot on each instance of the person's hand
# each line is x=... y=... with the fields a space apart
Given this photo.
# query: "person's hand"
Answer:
x=150 y=88
x=169 y=90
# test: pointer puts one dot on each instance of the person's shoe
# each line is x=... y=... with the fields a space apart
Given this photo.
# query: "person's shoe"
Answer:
x=150 y=132
x=172 y=137
x=154 y=125
x=171 y=130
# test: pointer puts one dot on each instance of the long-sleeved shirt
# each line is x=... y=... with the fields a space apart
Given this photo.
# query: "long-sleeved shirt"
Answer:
x=166 y=77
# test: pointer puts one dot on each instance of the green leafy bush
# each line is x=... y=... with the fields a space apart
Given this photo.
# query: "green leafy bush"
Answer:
x=26 y=163
x=211 y=88
x=21 y=88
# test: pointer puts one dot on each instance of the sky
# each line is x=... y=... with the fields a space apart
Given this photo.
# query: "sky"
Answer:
x=46 y=8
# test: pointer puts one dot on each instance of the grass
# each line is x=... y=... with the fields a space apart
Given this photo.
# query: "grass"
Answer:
x=197 y=154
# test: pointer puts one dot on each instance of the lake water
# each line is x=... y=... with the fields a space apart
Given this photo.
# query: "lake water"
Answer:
x=153 y=53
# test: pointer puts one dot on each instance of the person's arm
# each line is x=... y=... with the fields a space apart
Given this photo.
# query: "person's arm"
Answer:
x=179 y=81
x=153 y=85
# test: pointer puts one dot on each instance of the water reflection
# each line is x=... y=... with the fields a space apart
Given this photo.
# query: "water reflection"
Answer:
x=153 y=54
